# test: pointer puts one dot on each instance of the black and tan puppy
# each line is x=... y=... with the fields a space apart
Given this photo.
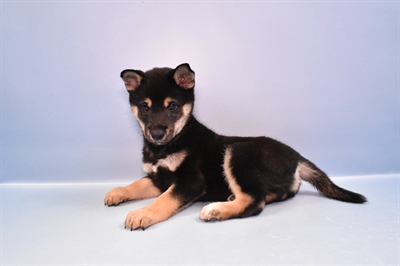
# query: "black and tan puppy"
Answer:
x=187 y=162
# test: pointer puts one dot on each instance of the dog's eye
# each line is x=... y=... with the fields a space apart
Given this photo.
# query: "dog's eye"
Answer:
x=172 y=106
x=145 y=107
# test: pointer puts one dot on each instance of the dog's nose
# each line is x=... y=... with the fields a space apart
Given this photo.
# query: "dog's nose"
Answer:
x=157 y=134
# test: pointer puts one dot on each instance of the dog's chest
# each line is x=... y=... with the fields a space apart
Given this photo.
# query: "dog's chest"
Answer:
x=170 y=162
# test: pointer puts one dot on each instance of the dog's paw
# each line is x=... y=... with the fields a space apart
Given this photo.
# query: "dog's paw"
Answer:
x=212 y=212
x=140 y=219
x=116 y=196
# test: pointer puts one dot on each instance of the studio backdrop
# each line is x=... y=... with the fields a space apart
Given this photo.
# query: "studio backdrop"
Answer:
x=322 y=77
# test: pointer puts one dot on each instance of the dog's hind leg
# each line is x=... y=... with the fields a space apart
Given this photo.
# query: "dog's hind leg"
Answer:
x=242 y=206
x=239 y=205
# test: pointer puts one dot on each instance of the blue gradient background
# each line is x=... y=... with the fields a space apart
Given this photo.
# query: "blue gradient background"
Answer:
x=319 y=76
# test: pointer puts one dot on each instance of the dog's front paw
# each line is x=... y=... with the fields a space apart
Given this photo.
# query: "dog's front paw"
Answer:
x=211 y=212
x=141 y=218
x=116 y=196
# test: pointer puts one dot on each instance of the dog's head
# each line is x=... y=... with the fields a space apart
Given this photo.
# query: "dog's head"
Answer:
x=161 y=99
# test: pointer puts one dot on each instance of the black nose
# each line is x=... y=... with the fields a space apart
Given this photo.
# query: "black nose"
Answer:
x=157 y=134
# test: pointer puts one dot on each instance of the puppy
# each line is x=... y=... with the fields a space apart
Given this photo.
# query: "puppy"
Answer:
x=186 y=162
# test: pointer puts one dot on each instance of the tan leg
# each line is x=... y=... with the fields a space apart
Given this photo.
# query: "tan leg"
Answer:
x=160 y=210
x=141 y=189
x=240 y=201
x=225 y=210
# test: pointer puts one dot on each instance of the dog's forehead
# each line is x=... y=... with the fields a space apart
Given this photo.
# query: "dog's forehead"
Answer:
x=158 y=81
x=158 y=75
x=159 y=92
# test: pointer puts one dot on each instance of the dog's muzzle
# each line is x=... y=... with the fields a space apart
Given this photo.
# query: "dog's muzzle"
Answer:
x=158 y=135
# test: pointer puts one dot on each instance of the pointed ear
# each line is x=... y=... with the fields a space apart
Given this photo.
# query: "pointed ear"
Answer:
x=132 y=78
x=184 y=76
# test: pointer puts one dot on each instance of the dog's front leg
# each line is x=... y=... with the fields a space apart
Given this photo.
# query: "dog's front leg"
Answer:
x=166 y=205
x=141 y=189
x=186 y=190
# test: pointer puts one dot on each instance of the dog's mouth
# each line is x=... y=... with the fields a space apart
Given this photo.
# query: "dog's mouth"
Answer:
x=159 y=135
x=158 y=142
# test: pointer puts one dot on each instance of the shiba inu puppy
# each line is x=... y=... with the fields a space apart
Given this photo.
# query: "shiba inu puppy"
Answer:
x=187 y=162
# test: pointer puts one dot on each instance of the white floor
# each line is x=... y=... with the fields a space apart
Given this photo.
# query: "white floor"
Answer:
x=69 y=225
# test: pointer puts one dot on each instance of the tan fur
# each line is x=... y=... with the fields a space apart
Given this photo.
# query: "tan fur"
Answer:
x=229 y=177
x=270 y=198
x=297 y=179
x=135 y=112
x=148 y=101
x=226 y=210
x=160 y=210
x=167 y=101
x=187 y=108
x=140 y=189
x=171 y=162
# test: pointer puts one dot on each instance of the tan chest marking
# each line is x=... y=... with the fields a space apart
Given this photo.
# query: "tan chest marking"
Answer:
x=171 y=162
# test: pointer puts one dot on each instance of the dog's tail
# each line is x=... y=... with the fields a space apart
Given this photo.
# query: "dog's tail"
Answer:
x=311 y=173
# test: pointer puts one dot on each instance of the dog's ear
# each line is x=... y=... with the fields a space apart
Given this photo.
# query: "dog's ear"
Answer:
x=184 y=76
x=132 y=78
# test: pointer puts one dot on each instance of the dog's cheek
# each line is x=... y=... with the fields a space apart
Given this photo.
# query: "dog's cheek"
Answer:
x=135 y=111
x=183 y=117
x=174 y=117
